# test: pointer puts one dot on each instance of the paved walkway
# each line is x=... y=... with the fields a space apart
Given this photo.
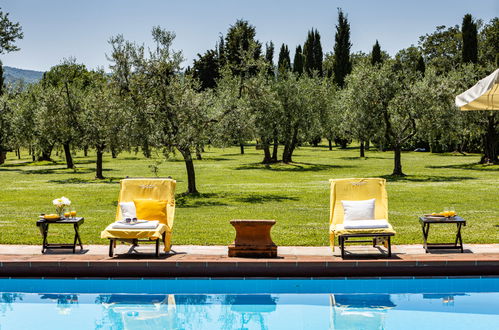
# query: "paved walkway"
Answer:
x=212 y=261
x=102 y=250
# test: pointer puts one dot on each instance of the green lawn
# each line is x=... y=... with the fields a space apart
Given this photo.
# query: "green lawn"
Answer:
x=237 y=186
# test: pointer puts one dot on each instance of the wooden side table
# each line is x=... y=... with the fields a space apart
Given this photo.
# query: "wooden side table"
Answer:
x=253 y=239
x=43 y=225
x=458 y=242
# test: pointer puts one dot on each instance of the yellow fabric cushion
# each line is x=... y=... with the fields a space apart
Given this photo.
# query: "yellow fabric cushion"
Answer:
x=151 y=209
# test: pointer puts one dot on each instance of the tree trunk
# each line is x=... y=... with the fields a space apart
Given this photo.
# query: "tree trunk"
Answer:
x=191 y=174
x=368 y=145
x=85 y=151
x=3 y=156
x=241 y=145
x=330 y=144
x=146 y=150
x=267 y=158
x=362 y=153
x=198 y=154
x=114 y=154
x=98 y=164
x=45 y=154
x=397 y=158
x=67 y=154
x=286 y=154
x=275 y=149
x=289 y=148
x=491 y=143
x=18 y=153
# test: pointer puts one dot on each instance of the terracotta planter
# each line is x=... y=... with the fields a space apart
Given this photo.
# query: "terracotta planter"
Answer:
x=253 y=239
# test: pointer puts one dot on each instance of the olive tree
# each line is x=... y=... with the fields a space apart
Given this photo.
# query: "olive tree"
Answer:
x=387 y=92
x=173 y=114
x=103 y=118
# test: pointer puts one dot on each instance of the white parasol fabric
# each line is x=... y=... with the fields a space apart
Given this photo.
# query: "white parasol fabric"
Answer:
x=483 y=96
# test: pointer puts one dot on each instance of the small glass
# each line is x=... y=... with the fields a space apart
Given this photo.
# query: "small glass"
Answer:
x=67 y=215
x=73 y=213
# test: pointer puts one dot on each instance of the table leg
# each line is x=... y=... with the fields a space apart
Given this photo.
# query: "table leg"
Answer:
x=77 y=232
x=459 y=237
x=426 y=230
x=45 y=230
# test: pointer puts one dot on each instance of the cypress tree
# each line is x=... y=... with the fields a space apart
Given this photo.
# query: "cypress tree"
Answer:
x=269 y=57
x=284 y=62
x=470 y=40
x=221 y=52
x=318 y=53
x=239 y=39
x=207 y=69
x=308 y=53
x=1 y=78
x=298 y=61
x=269 y=52
x=376 y=54
x=421 y=66
x=342 y=64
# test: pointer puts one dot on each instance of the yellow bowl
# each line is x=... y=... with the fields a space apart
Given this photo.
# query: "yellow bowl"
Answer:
x=51 y=217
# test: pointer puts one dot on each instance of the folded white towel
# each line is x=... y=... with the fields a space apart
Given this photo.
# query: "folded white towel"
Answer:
x=365 y=224
x=141 y=224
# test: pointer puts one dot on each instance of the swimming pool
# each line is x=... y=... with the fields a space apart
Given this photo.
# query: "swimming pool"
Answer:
x=385 y=303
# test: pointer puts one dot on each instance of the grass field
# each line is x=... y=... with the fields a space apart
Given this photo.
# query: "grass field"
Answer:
x=235 y=186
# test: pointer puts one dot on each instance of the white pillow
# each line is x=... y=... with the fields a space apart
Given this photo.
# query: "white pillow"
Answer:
x=128 y=210
x=358 y=210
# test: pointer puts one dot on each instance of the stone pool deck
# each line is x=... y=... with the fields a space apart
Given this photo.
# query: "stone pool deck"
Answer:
x=212 y=261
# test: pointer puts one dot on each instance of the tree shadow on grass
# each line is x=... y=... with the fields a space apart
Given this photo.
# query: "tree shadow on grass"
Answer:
x=363 y=158
x=197 y=200
x=2 y=169
x=468 y=166
x=215 y=158
x=291 y=167
x=425 y=178
x=86 y=181
x=260 y=198
x=58 y=170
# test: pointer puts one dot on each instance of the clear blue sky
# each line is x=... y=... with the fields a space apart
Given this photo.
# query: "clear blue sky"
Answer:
x=55 y=29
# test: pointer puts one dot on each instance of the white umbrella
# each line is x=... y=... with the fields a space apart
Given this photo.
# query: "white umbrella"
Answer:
x=483 y=96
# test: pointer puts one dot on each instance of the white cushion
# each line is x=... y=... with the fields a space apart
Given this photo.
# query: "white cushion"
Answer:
x=366 y=224
x=358 y=210
x=128 y=210
x=142 y=224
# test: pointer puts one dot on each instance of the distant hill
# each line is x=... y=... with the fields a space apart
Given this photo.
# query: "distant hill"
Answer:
x=13 y=75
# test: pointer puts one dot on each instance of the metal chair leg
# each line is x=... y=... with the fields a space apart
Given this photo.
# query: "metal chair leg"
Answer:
x=342 y=240
x=111 y=248
x=157 y=247
x=389 y=247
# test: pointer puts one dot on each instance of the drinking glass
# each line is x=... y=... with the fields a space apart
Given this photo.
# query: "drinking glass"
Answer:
x=73 y=213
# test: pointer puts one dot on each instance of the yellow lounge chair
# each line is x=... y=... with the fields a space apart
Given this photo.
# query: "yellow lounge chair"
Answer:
x=144 y=188
x=357 y=190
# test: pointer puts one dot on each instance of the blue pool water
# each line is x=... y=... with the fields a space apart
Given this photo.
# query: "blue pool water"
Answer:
x=446 y=303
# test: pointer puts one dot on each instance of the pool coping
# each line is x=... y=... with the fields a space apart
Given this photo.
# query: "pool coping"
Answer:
x=193 y=265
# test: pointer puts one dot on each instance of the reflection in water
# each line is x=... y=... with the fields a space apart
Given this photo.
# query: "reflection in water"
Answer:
x=252 y=311
x=359 y=311
x=63 y=301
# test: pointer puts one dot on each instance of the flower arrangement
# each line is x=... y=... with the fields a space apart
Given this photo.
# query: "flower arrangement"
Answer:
x=60 y=204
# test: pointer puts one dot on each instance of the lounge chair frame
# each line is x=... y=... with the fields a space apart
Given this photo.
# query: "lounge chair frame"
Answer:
x=342 y=240
x=368 y=188
x=166 y=236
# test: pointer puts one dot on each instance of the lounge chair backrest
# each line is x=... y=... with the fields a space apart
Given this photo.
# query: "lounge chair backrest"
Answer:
x=149 y=188
x=356 y=190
